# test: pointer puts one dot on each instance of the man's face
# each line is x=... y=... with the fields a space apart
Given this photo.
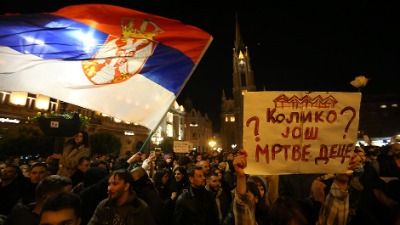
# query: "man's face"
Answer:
x=9 y=173
x=218 y=171
x=214 y=183
x=37 y=174
x=62 y=216
x=2 y=167
x=198 y=180
x=396 y=150
x=205 y=165
x=116 y=187
x=84 y=166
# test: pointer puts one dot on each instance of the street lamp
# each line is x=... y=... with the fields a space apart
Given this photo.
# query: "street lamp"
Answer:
x=212 y=143
x=233 y=146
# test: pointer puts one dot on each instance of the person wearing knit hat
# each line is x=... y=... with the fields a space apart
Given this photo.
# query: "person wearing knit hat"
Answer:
x=167 y=157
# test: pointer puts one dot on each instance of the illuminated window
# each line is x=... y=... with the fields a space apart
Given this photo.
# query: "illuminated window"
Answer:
x=170 y=130
x=170 y=117
x=395 y=105
x=232 y=119
x=383 y=106
x=226 y=119
x=19 y=98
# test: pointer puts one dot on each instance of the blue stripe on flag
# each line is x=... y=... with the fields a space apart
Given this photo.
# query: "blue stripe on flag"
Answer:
x=50 y=37
x=168 y=67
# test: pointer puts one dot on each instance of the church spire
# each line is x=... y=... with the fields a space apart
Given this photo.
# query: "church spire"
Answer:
x=239 y=42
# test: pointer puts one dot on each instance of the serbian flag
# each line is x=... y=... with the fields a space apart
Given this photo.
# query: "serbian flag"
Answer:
x=118 y=61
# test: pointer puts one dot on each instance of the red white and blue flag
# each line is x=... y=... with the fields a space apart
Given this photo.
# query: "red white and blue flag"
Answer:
x=114 y=60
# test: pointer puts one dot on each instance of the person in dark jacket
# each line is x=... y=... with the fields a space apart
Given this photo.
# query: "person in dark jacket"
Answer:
x=29 y=214
x=122 y=207
x=12 y=181
x=93 y=191
x=147 y=191
x=197 y=206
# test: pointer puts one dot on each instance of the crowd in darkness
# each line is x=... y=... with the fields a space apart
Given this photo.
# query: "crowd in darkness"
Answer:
x=211 y=188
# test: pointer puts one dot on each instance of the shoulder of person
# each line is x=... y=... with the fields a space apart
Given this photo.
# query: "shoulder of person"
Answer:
x=137 y=203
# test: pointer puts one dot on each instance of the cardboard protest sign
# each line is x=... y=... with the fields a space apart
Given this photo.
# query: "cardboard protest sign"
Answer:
x=299 y=132
x=182 y=146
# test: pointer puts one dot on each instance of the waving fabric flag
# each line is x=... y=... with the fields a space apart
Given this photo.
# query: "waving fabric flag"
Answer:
x=110 y=59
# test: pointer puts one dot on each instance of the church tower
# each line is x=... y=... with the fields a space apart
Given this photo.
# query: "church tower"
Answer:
x=232 y=109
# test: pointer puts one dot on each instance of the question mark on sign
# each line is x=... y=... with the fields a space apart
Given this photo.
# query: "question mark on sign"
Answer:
x=348 y=108
x=257 y=121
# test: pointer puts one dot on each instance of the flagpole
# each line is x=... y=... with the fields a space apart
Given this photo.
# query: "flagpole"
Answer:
x=147 y=140
x=151 y=133
x=133 y=165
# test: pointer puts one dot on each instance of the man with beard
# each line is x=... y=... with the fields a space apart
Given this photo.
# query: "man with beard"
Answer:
x=213 y=185
x=122 y=207
x=10 y=188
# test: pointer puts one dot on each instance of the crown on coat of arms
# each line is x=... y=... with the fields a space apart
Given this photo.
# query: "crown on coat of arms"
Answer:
x=139 y=28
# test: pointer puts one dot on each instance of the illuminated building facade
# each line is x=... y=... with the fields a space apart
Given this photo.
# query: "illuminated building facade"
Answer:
x=16 y=107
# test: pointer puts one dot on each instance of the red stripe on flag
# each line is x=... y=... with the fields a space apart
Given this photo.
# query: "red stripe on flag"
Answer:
x=107 y=18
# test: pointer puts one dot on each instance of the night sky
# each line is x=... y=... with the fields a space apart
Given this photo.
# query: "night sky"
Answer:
x=293 y=46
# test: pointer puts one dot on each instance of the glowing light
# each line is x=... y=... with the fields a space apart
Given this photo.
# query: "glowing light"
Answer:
x=18 y=98
x=129 y=133
x=42 y=102
x=8 y=120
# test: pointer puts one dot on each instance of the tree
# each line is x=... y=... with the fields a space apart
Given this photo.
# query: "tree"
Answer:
x=29 y=142
x=167 y=145
x=105 y=143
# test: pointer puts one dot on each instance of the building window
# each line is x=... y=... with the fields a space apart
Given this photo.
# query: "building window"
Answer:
x=383 y=106
x=232 y=119
x=170 y=117
x=243 y=78
x=169 y=130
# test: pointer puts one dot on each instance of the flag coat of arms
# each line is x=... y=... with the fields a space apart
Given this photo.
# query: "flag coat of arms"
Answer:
x=114 y=60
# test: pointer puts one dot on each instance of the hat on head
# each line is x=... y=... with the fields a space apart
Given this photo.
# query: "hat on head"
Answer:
x=167 y=156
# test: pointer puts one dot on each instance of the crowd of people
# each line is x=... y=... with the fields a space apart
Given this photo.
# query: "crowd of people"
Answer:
x=194 y=189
